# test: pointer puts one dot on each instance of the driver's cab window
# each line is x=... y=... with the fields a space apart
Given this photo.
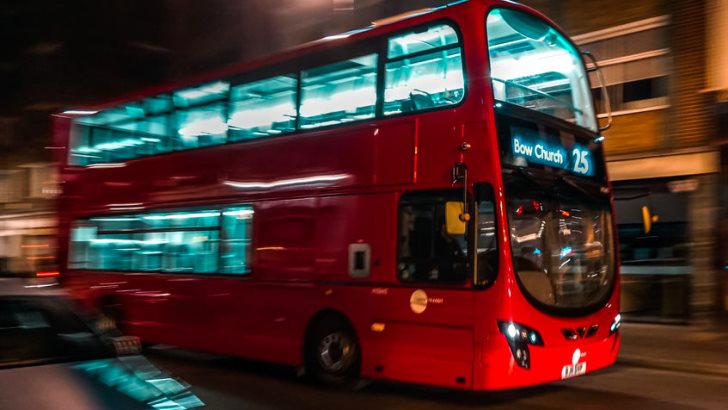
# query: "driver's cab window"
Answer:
x=427 y=252
x=486 y=237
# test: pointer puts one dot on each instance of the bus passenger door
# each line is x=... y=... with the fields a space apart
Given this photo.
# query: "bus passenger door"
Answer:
x=422 y=330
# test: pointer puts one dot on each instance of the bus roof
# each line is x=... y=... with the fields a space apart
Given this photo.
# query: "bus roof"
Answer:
x=377 y=27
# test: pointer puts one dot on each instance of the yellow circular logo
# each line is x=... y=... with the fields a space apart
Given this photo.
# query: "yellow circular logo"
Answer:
x=418 y=301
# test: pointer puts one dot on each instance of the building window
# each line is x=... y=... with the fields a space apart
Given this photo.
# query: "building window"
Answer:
x=644 y=89
x=654 y=246
x=635 y=66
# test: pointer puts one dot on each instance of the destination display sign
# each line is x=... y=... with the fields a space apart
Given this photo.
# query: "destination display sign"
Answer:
x=575 y=158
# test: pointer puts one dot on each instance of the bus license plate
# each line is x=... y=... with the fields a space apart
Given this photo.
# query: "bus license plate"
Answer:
x=573 y=370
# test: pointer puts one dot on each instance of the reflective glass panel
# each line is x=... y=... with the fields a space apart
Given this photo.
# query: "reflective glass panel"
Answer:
x=192 y=219
x=201 y=94
x=126 y=132
x=188 y=251
x=419 y=41
x=427 y=252
x=340 y=92
x=533 y=65
x=263 y=108
x=236 y=240
x=561 y=243
x=199 y=241
x=486 y=240
x=201 y=126
x=190 y=118
x=423 y=82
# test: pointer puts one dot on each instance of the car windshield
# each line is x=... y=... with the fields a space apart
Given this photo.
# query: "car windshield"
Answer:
x=534 y=66
x=561 y=241
x=44 y=329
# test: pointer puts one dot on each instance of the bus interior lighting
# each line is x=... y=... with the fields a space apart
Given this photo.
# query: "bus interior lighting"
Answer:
x=318 y=179
x=108 y=165
x=79 y=112
x=182 y=216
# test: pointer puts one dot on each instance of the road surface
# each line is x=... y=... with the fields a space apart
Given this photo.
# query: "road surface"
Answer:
x=227 y=383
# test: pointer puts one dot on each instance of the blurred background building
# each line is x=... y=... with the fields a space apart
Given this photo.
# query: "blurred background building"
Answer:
x=664 y=67
x=664 y=63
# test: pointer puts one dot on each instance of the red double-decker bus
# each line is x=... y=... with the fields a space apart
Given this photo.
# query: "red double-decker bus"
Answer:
x=422 y=200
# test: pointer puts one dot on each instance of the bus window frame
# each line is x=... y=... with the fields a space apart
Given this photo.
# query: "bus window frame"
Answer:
x=81 y=221
x=385 y=59
x=546 y=117
x=467 y=282
x=484 y=191
x=561 y=312
x=295 y=66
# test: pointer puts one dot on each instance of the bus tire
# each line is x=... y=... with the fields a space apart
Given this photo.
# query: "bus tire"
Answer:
x=333 y=353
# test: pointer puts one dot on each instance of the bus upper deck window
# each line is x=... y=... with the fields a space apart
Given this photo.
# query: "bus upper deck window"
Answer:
x=263 y=108
x=424 y=70
x=534 y=66
x=337 y=93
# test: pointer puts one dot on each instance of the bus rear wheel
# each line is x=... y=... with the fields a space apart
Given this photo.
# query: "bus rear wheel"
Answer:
x=333 y=356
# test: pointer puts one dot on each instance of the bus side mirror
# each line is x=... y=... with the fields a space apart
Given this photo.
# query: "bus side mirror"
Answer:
x=456 y=218
x=603 y=86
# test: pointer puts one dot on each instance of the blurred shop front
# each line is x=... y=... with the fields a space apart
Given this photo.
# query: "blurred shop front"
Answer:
x=665 y=213
x=27 y=218
x=655 y=255
x=722 y=126
x=27 y=243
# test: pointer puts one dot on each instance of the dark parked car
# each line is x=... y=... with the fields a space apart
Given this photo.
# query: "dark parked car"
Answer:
x=53 y=356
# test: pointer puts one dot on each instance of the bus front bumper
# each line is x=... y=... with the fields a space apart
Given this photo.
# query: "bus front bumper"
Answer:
x=498 y=368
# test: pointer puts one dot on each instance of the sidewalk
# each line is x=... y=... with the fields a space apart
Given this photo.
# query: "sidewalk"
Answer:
x=694 y=349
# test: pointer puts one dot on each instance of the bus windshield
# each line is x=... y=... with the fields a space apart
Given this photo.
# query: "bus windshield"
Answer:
x=561 y=239
x=534 y=66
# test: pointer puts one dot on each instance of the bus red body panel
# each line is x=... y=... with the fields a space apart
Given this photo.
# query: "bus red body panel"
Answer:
x=350 y=217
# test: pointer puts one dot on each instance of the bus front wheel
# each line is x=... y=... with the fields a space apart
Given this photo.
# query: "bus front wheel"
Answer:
x=333 y=355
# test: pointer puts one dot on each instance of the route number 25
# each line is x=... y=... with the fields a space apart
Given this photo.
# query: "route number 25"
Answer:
x=581 y=163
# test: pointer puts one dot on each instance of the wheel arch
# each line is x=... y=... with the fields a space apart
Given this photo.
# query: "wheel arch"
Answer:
x=320 y=317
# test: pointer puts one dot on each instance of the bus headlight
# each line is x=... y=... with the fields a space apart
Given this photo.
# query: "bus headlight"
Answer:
x=616 y=323
x=519 y=337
